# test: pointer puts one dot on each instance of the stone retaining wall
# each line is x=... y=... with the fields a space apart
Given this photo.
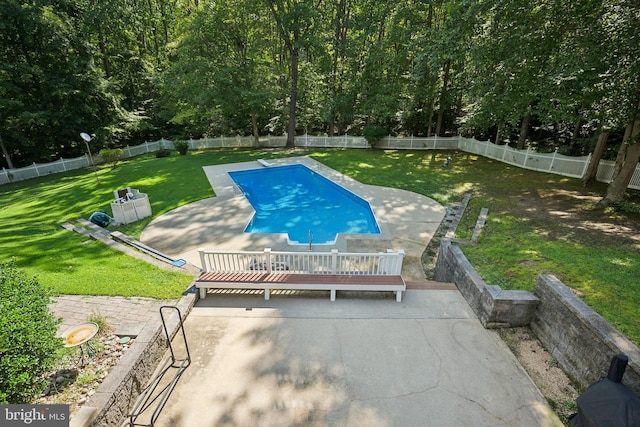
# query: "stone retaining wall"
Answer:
x=580 y=340
x=493 y=306
x=115 y=397
x=578 y=337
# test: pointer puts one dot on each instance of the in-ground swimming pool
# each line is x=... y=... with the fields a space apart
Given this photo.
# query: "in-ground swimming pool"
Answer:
x=301 y=203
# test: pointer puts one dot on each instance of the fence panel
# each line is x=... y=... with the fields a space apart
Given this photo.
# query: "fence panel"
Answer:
x=274 y=142
x=538 y=162
x=323 y=141
x=50 y=168
x=570 y=166
x=548 y=162
x=418 y=143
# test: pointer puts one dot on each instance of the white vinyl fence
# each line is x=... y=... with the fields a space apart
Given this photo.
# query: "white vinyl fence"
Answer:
x=555 y=163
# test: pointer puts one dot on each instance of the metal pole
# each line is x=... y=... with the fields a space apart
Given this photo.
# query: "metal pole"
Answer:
x=91 y=160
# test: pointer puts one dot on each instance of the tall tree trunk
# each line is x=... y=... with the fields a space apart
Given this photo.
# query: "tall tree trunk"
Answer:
x=576 y=133
x=626 y=161
x=103 y=50
x=498 y=134
x=5 y=153
x=337 y=40
x=443 y=95
x=432 y=106
x=256 y=135
x=291 y=130
x=524 y=131
x=154 y=30
x=592 y=169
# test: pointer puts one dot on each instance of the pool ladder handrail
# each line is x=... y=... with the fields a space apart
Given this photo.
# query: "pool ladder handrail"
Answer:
x=310 y=239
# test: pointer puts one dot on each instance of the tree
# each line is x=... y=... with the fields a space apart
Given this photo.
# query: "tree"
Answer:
x=626 y=160
x=294 y=20
x=621 y=21
x=49 y=88
x=594 y=161
x=220 y=80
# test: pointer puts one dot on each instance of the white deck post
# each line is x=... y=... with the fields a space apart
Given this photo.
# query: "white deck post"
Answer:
x=202 y=261
x=267 y=252
x=401 y=255
x=334 y=261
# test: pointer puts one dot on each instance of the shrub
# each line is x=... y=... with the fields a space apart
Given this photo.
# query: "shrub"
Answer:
x=111 y=156
x=628 y=207
x=28 y=343
x=181 y=147
x=373 y=134
x=163 y=152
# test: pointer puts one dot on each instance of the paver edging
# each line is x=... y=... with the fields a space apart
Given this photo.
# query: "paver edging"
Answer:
x=115 y=397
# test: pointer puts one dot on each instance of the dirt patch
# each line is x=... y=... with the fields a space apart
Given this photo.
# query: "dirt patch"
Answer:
x=74 y=380
x=553 y=383
x=573 y=214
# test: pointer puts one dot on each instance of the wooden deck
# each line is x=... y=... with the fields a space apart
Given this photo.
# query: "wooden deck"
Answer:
x=280 y=280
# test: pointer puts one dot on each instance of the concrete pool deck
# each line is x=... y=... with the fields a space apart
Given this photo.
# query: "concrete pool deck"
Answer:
x=302 y=360
x=407 y=221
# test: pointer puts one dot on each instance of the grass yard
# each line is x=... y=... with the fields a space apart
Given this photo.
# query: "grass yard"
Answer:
x=537 y=223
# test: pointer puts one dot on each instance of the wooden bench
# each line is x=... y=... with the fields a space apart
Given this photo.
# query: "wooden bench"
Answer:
x=283 y=280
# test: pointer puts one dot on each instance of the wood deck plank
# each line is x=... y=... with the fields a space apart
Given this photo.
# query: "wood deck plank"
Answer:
x=311 y=279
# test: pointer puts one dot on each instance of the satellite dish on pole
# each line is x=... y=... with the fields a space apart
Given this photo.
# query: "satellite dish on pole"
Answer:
x=87 y=139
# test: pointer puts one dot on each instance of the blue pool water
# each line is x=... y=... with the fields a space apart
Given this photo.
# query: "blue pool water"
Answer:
x=294 y=199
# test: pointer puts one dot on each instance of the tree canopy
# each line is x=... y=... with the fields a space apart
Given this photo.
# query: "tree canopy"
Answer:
x=553 y=74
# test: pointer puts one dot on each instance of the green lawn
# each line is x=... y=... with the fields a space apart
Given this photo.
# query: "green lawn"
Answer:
x=515 y=246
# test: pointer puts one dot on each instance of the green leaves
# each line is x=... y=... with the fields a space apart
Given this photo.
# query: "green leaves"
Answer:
x=27 y=335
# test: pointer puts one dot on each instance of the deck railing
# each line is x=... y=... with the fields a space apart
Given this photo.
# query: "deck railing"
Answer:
x=334 y=262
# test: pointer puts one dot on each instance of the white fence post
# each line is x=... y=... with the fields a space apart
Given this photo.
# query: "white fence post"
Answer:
x=586 y=165
x=526 y=156
x=553 y=159
x=64 y=168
